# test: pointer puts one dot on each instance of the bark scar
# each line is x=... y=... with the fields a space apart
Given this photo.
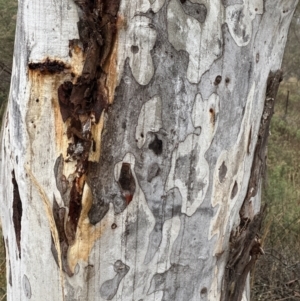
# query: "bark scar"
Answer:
x=82 y=101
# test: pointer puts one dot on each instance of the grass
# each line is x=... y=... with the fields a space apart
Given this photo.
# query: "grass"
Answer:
x=276 y=274
x=2 y=271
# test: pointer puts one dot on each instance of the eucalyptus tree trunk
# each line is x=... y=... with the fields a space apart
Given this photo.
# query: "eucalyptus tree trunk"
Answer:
x=133 y=147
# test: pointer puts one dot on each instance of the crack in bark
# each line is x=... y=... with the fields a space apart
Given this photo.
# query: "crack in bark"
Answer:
x=245 y=245
x=17 y=211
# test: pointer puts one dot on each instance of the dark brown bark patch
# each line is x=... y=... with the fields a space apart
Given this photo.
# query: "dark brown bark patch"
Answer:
x=75 y=208
x=97 y=31
x=17 y=211
x=64 y=93
x=127 y=182
x=48 y=66
x=82 y=101
x=212 y=116
x=218 y=80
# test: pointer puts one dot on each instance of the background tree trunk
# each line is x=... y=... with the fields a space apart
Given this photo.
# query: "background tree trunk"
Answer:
x=134 y=144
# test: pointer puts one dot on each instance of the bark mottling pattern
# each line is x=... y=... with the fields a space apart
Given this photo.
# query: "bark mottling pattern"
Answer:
x=142 y=128
x=150 y=120
x=189 y=169
x=109 y=288
x=225 y=193
x=239 y=18
x=187 y=33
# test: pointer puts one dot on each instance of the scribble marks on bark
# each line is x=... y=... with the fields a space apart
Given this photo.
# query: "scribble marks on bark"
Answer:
x=17 y=211
x=64 y=93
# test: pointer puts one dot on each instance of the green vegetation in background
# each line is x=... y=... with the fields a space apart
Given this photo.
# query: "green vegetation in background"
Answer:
x=2 y=271
x=8 y=12
x=277 y=274
x=291 y=60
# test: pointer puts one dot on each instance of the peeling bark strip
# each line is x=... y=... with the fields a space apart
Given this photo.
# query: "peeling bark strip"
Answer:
x=244 y=250
x=97 y=30
x=17 y=211
x=259 y=161
x=81 y=104
x=244 y=242
x=59 y=217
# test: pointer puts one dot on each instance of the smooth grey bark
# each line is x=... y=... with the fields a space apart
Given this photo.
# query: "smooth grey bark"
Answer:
x=133 y=146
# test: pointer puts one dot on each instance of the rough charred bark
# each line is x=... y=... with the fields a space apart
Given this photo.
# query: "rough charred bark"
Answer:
x=136 y=137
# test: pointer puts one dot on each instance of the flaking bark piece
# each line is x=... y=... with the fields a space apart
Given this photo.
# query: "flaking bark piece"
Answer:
x=59 y=218
x=64 y=93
